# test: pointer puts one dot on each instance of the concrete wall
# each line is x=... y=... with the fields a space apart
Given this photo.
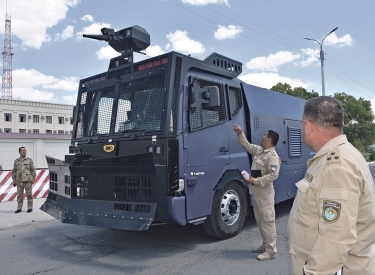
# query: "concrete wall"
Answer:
x=37 y=146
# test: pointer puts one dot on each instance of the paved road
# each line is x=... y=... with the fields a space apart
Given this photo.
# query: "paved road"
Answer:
x=45 y=246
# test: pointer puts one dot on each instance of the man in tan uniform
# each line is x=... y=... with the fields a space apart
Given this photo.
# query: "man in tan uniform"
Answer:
x=332 y=223
x=268 y=162
x=23 y=176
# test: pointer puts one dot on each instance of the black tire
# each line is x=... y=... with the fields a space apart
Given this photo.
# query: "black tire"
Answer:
x=228 y=212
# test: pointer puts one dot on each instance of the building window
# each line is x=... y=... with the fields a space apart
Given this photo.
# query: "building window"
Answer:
x=71 y=121
x=22 y=118
x=61 y=132
x=48 y=119
x=7 y=117
x=48 y=131
x=7 y=130
x=61 y=120
x=35 y=131
x=22 y=130
x=35 y=118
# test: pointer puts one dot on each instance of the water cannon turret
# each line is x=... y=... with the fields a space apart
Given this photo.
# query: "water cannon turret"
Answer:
x=134 y=38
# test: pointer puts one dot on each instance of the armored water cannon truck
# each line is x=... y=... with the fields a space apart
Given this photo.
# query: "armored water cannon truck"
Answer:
x=153 y=142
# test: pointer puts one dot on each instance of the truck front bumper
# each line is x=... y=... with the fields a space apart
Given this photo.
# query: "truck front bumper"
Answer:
x=107 y=214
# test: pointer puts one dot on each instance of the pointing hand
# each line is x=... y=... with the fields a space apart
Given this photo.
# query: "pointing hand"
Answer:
x=237 y=129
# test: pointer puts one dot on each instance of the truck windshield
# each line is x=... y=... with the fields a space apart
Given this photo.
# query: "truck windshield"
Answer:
x=95 y=112
x=141 y=105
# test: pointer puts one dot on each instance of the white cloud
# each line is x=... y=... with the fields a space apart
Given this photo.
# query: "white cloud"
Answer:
x=271 y=62
x=94 y=28
x=87 y=17
x=32 y=19
x=267 y=80
x=310 y=56
x=205 y=2
x=29 y=85
x=154 y=51
x=67 y=84
x=229 y=32
x=68 y=32
x=333 y=40
x=70 y=99
x=180 y=42
x=106 y=53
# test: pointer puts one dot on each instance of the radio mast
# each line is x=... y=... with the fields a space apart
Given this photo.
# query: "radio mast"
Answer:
x=7 y=60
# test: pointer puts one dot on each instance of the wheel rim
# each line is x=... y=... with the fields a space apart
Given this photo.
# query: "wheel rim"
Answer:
x=230 y=207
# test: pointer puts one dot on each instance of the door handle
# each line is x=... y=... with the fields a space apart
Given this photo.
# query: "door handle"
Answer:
x=223 y=150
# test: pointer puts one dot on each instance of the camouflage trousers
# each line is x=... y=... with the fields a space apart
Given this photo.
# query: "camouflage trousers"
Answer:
x=29 y=193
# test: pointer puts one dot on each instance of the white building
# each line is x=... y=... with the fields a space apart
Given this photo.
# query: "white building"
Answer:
x=43 y=128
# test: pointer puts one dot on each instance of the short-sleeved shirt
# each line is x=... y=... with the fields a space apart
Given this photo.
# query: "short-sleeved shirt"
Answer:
x=265 y=160
x=332 y=222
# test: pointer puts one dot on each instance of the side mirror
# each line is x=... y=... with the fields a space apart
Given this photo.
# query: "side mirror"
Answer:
x=209 y=97
x=213 y=97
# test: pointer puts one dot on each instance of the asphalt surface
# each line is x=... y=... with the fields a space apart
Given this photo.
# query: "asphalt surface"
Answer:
x=35 y=243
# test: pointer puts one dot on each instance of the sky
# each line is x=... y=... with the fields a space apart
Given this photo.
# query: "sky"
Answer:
x=51 y=56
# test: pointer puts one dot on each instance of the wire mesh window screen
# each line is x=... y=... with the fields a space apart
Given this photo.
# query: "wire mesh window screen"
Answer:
x=95 y=112
x=295 y=142
x=141 y=104
x=235 y=101
x=200 y=117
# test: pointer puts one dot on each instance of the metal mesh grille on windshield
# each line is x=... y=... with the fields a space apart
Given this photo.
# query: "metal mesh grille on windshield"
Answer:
x=95 y=112
x=141 y=104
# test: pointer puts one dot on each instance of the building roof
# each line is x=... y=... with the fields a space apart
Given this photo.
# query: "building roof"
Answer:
x=30 y=135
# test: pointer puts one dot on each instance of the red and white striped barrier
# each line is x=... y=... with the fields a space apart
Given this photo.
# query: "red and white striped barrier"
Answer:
x=9 y=193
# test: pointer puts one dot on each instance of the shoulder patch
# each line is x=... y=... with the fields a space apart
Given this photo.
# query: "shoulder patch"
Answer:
x=273 y=168
x=309 y=177
x=331 y=211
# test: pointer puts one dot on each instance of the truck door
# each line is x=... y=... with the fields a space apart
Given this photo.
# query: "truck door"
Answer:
x=205 y=148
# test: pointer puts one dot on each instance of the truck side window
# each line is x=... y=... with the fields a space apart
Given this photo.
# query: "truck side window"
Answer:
x=235 y=101
x=201 y=118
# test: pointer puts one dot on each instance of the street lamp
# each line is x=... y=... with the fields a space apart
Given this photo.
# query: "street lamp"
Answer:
x=322 y=59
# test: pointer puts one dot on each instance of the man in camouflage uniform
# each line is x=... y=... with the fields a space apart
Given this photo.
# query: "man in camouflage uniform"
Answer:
x=332 y=223
x=261 y=188
x=23 y=176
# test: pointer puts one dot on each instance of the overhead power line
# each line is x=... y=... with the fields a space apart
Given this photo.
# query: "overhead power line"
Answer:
x=268 y=45
x=347 y=74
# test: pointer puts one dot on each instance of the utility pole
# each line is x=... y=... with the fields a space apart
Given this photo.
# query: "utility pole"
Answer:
x=322 y=59
x=7 y=60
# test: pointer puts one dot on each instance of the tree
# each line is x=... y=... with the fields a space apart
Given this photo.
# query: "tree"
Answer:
x=300 y=92
x=359 y=124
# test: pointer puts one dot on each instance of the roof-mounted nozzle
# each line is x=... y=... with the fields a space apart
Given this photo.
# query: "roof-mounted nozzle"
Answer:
x=134 y=38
